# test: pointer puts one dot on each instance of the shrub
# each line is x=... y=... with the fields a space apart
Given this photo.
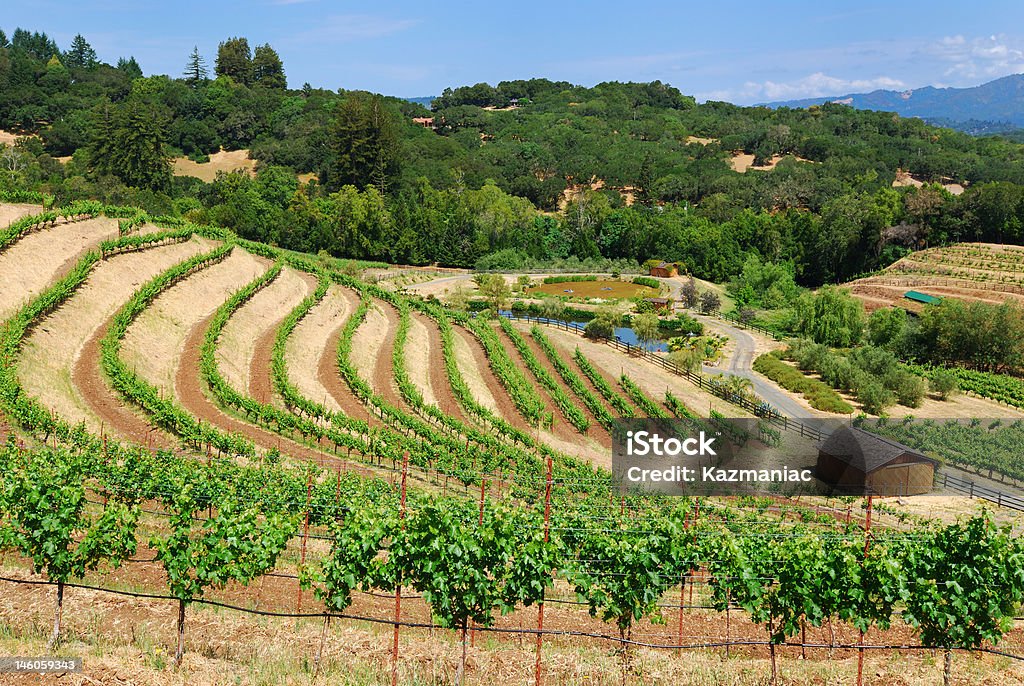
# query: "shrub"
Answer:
x=709 y=302
x=819 y=395
x=647 y=281
x=811 y=357
x=872 y=395
x=943 y=383
x=910 y=389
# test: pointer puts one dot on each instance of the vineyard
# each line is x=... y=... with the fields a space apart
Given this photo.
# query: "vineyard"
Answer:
x=230 y=463
x=968 y=271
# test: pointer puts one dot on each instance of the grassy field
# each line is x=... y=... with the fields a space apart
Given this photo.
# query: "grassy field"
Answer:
x=595 y=289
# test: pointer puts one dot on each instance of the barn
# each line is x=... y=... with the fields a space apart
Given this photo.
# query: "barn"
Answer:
x=660 y=304
x=665 y=270
x=852 y=460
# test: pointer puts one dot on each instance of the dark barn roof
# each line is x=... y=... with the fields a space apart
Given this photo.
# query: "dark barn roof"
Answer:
x=866 y=451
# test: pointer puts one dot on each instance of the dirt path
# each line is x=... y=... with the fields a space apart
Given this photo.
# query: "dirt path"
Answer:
x=419 y=357
x=38 y=259
x=437 y=371
x=383 y=379
x=337 y=389
x=114 y=414
x=53 y=350
x=306 y=345
x=156 y=339
x=245 y=333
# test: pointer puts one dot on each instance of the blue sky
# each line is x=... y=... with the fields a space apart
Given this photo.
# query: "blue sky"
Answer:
x=743 y=52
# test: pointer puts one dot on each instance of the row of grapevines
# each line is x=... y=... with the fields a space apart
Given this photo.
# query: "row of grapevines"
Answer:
x=164 y=411
x=569 y=409
x=572 y=380
x=617 y=402
x=76 y=211
x=998 y=387
x=261 y=413
x=637 y=395
x=523 y=395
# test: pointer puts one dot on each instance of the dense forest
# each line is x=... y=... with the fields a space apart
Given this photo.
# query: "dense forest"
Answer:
x=523 y=173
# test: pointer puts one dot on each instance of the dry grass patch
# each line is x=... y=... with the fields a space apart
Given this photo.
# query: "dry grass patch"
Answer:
x=53 y=348
x=224 y=161
x=39 y=258
x=154 y=342
x=9 y=212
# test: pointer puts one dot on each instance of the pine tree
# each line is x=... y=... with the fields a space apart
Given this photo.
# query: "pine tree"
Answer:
x=234 y=59
x=3 y=39
x=268 y=70
x=81 y=54
x=128 y=144
x=363 y=144
x=195 y=70
x=103 y=150
x=130 y=67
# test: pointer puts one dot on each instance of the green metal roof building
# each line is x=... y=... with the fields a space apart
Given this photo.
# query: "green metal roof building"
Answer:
x=917 y=296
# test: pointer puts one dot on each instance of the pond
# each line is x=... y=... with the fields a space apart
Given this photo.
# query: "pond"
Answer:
x=624 y=333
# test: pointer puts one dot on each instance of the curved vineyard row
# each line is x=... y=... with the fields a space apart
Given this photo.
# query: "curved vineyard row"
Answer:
x=573 y=414
x=572 y=380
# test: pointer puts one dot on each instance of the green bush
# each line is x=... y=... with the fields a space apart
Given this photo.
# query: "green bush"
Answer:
x=910 y=389
x=818 y=394
x=647 y=281
x=943 y=383
x=872 y=395
x=575 y=278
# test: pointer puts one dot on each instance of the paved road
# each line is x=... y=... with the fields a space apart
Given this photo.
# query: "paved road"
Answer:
x=740 y=363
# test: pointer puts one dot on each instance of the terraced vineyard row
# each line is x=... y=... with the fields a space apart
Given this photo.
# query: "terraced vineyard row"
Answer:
x=250 y=473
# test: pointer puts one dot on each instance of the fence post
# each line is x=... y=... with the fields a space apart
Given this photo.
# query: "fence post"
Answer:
x=480 y=523
x=305 y=535
x=540 y=605
x=398 y=589
x=867 y=545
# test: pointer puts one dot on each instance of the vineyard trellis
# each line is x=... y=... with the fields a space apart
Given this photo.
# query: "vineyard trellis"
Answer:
x=620 y=557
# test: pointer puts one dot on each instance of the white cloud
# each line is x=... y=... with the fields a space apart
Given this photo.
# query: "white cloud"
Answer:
x=342 y=28
x=982 y=57
x=813 y=85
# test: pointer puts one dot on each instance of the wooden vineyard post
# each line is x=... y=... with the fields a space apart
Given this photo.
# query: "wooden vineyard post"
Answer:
x=540 y=605
x=696 y=515
x=867 y=545
x=398 y=588
x=682 y=601
x=480 y=523
x=305 y=535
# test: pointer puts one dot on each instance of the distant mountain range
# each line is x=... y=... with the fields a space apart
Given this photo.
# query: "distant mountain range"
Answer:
x=993 y=107
x=425 y=101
